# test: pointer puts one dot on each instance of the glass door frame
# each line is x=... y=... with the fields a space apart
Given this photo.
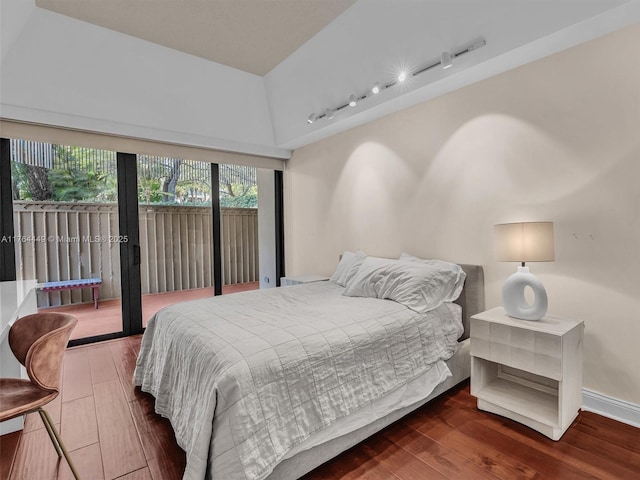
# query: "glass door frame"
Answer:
x=217 y=232
x=7 y=250
x=128 y=228
x=131 y=285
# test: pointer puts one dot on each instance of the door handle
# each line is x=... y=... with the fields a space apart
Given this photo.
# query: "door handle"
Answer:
x=136 y=255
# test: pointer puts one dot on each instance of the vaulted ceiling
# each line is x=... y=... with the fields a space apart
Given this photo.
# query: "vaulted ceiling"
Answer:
x=270 y=64
x=250 y=35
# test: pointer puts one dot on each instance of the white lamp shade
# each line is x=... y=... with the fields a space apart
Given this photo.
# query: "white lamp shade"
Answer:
x=524 y=242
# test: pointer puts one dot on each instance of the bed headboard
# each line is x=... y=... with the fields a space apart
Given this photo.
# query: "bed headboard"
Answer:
x=472 y=297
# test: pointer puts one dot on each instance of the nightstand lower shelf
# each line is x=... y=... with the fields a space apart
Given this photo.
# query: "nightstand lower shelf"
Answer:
x=529 y=399
x=527 y=402
x=554 y=433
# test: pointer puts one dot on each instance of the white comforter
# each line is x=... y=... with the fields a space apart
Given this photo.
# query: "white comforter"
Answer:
x=245 y=378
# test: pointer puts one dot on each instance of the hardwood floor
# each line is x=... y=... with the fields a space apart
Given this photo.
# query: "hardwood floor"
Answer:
x=112 y=432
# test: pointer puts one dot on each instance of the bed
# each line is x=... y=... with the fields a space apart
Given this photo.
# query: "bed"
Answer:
x=228 y=372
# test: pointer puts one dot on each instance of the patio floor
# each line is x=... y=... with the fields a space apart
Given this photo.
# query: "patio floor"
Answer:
x=108 y=317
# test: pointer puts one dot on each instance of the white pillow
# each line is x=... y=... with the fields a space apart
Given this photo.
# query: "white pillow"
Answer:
x=347 y=267
x=457 y=269
x=416 y=285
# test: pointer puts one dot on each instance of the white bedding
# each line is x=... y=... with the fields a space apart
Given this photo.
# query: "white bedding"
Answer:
x=247 y=379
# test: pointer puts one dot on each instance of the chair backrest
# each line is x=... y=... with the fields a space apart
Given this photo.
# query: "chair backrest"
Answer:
x=38 y=341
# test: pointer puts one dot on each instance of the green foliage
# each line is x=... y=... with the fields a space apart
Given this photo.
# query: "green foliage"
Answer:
x=20 y=182
x=70 y=185
x=149 y=190
x=246 y=201
x=193 y=192
x=110 y=193
x=238 y=195
x=76 y=177
x=89 y=175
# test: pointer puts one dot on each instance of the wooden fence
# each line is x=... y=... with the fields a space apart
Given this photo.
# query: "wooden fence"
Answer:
x=62 y=241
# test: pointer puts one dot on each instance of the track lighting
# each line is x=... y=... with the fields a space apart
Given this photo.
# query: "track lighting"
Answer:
x=445 y=61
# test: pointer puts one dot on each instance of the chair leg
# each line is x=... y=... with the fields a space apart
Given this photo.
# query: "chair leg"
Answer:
x=57 y=441
x=49 y=427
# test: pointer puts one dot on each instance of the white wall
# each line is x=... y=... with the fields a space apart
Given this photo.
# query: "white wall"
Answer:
x=61 y=71
x=14 y=15
x=554 y=140
x=266 y=227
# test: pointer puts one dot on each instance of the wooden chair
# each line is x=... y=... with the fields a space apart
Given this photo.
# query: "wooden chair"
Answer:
x=38 y=341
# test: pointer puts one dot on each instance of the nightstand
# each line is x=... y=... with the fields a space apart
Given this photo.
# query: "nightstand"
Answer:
x=298 y=279
x=528 y=371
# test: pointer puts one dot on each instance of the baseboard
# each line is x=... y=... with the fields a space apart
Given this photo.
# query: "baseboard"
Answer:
x=625 y=412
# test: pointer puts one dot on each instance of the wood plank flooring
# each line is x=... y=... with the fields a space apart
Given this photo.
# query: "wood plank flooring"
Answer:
x=112 y=432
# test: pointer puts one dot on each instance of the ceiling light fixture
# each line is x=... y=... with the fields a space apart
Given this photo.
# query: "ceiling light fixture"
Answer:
x=445 y=61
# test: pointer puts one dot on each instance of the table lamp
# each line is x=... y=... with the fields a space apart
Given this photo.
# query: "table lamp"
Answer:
x=524 y=242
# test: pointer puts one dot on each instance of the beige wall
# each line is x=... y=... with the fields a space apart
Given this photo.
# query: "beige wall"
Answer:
x=555 y=140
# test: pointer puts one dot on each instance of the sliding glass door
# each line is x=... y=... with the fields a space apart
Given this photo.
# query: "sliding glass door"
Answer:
x=176 y=231
x=66 y=232
x=177 y=205
x=238 y=193
x=113 y=237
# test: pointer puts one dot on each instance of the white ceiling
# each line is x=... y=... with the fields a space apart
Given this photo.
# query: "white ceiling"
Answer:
x=357 y=43
x=250 y=35
x=374 y=38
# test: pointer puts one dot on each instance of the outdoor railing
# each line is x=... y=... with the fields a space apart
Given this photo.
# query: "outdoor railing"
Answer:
x=62 y=241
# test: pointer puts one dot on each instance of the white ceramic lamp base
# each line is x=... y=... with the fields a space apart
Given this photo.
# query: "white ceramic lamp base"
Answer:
x=513 y=298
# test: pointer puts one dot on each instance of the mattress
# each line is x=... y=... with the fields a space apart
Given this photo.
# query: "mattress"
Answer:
x=387 y=412
x=250 y=379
